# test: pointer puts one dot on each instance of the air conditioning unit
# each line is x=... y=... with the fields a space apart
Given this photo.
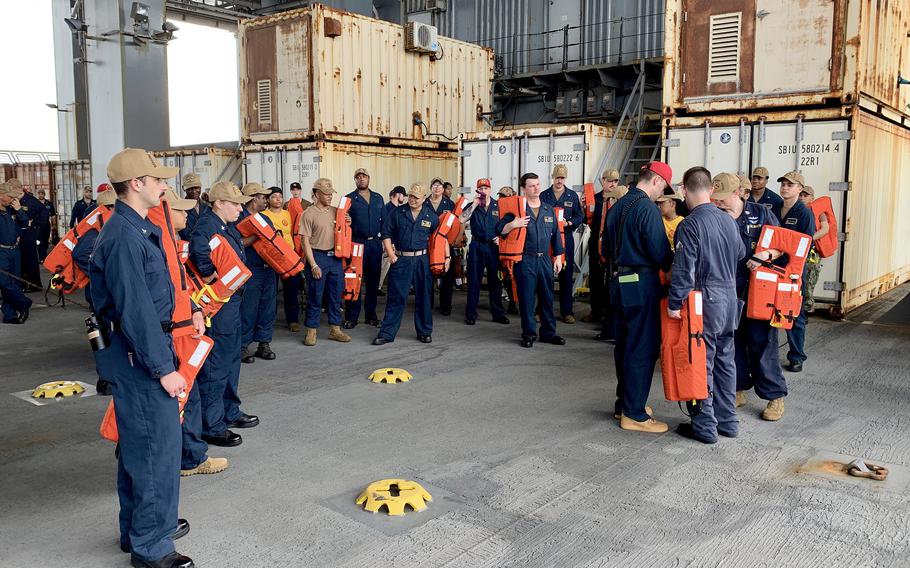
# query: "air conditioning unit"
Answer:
x=435 y=5
x=421 y=38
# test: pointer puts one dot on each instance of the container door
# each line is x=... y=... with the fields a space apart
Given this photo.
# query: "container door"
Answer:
x=718 y=46
x=262 y=166
x=174 y=161
x=301 y=166
x=542 y=153
x=721 y=149
x=818 y=150
x=496 y=160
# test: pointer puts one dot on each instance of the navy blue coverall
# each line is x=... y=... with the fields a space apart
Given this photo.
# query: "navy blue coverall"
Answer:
x=573 y=213
x=132 y=293
x=80 y=210
x=640 y=252
x=708 y=251
x=218 y=380
x=447 y=279
x=799 y=218
x=367 y=220
x=192 y=217
x=772 y=201
x=259 y=306
x=757 y=358
x=14 y=301
x=534 y=274
x=43 y=226
x=483 y=255
x=409 y=235
x=28 y=239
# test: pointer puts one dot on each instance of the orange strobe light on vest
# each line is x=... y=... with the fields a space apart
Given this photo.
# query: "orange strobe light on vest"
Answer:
x=683 y=354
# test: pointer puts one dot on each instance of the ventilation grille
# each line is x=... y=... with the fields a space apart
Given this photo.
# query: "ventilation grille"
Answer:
x=723 y=57
x=264 y=100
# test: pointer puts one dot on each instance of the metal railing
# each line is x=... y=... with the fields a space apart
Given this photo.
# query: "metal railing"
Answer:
x=609 y=42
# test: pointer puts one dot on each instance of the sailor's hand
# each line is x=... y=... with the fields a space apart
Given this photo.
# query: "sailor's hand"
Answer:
x=198 y=325
x=173 y=383
x=674 y=314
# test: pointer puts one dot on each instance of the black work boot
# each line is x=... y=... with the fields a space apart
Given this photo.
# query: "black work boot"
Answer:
x=265 y=352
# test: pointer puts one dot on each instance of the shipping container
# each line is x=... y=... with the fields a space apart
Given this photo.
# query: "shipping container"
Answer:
x=504 y=155
x=857 y=158
x=70 y=177
x=211 y=164
x=280 y=165
x=727 y=55
x=312 y=72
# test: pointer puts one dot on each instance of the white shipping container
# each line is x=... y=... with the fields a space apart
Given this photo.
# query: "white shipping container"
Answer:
x=69 y=179
x=857 y=160
x=210 y=164
x=281 y=165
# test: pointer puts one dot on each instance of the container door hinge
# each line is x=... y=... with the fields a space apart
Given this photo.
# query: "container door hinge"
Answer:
x=836 y=286
x=317 y=159
x=464 y=153
x=843 y=237
x=671 y=143
x=842 y=135
x=580 y=147
x=840 y=186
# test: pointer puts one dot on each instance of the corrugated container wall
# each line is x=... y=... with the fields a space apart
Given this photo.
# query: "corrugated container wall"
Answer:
x=211 y=164
x=504 y=155
x=727 y=55
x=311 y=72
x=857 y=159
x=388 y=166
x=69 y=179
x=529 y=35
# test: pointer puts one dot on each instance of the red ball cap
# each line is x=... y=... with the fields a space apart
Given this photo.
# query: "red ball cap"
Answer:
x=483 y=182
x=661 y=169
x=103 y=187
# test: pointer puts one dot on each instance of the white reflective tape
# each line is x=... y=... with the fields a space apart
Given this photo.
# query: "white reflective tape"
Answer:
x=238 y=283
x=698 y=305
x=769 y=276
x=232 y=273
x=803 y=247
x=344 y=202
x=69 y=244
x=215 y=242
x=767 y=235
x=450 y=220
x=93 y=219
x=349 y=275
x=199 y=354
x=787 y=287
x=260 y=220
x=561 y=215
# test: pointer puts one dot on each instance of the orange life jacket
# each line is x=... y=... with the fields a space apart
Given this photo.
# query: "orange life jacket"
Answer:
x=603 y=223
x=827 y=245
x=590 y=204
x=446 y=232
x=353 y=273
x=183 y=251
x=271 y=246
x=343 y=234
x=683 y=355
x=774 y=292
x=512 y=246
x=561 y=225
x=191 y=353
x=231 y=274
x=182 y=317
x=67 y=277
x=295 y=208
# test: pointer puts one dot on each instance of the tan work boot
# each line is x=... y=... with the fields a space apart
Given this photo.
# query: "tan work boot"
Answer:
x=650 y=425
x=294 y=327
x=310 y=338
x=568 y=319
x=335 y=334
x=648 y=410
x=774 y=410
x=210 y=465
x=740 y=398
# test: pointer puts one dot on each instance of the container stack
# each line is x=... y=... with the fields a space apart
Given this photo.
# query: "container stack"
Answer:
x=324 y=92
x=808 y=86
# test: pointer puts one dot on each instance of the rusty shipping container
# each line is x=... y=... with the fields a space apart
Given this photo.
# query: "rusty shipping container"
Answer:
x=309 y=73
x=728 y=55
x=210 y=164
x=70 y=177
x=858 y=158
x=283 y=164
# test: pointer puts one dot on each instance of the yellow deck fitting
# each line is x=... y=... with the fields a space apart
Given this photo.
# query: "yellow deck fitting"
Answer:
x=57 y=389
x=390 y=375
x=394 y=495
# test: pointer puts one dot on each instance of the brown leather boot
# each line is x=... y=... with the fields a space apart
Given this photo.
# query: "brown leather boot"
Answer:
x=310 y=338
x=335 y=334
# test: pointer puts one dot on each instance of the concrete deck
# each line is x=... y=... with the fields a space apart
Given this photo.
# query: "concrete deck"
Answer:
x=518 y=446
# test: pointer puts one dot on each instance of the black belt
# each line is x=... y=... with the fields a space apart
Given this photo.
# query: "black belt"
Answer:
x=638 y=269
x=356 y=238
x=537 y=254
x=325 y=252
x=484 y=241
x=166 y=326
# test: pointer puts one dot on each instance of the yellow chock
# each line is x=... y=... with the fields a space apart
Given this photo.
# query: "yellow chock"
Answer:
x=57 y=389
x=390 y=375
x=394 y=495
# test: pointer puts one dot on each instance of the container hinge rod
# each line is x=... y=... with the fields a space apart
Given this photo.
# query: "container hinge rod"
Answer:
x=836 y=286
x=840 y=186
